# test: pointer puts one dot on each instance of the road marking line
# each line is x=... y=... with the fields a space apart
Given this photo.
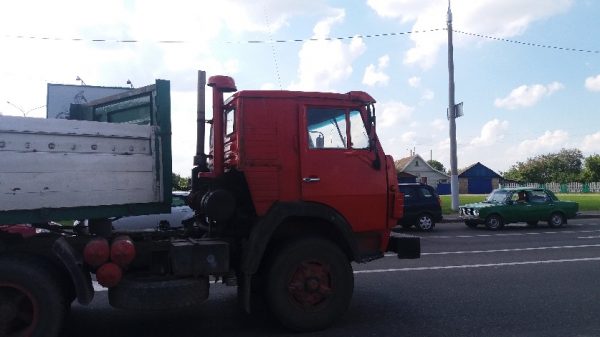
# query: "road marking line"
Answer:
x=507 y=249
x=467 y=266
x=511 y=250
x=508 y=234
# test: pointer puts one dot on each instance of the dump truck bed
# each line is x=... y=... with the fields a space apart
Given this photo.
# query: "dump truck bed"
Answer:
x=58 y=169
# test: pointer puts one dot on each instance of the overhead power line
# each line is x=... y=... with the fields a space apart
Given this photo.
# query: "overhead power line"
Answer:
x=362 y=36
x=527 y=43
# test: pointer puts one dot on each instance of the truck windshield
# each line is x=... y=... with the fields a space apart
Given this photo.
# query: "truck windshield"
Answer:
x=359 y=139
x=229 y=121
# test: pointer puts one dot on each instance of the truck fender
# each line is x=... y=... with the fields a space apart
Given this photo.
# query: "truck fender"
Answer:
x=279 y=212
x=81 y=280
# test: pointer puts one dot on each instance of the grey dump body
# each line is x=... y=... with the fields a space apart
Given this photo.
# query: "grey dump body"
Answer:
x=111 y=158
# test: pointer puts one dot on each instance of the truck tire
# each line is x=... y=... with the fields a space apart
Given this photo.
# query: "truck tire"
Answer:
x=32 y=302
x=309 y=284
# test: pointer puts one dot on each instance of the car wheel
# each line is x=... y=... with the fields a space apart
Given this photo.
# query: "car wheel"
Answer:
x=556 y=220
x=471 y=224
x=494 y=222
x=425 y=222
x=309 y=284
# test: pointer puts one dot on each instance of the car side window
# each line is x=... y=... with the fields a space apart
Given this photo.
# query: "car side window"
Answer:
x=408 y=192
x=426 y=193
x=538 y=197
x=177 y=201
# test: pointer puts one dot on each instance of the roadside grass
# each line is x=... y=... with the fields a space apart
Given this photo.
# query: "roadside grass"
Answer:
x=587 y=201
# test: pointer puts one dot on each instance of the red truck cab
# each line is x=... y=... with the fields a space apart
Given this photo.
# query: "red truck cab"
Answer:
x=286 y=168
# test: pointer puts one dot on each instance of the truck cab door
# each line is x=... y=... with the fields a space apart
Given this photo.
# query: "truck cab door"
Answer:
x=337 y=167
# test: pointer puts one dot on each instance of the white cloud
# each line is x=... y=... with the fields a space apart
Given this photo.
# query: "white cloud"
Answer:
x=504 y=19
x=375 y=75
x=325 y=63
x=591 y=143
x=268 y=86
x=592 y=83
x=414 y=81
x=491 y=133
x=409 y=137
x=527 y=95
x=439 y=124
x=427 y=95
x=549 y=141
x=390 y=113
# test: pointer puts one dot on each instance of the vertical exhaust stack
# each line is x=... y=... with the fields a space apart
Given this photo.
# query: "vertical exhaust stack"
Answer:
x=220 y=85
x=200 y=164
x=200 y=157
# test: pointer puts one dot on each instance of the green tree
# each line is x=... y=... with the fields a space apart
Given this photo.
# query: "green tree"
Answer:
x=562 y=167
x=436 y=165
x=180 y=183
x=591 y=168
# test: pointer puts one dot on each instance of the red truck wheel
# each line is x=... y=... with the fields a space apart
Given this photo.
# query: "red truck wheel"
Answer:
x=309 y=284
x=31 y=301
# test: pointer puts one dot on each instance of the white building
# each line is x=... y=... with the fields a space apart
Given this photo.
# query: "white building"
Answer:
x=419 y=168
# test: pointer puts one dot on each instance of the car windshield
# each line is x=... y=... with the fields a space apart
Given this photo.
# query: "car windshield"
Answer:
x=497 y=196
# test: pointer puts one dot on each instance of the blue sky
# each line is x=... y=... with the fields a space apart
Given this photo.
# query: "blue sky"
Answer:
x=519 y=100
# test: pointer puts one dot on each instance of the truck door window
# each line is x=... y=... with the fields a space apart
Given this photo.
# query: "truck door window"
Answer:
x=358 y=133
x=229 y=122
x=326 y=128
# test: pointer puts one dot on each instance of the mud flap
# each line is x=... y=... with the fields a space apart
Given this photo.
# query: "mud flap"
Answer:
x=82 y=280
x=407 y=247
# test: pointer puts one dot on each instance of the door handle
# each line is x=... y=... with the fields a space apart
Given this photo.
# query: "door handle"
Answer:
x=311 y=179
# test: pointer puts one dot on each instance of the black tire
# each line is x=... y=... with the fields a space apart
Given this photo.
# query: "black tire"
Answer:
x=32 y=302
x=425 y=222
x=470 y=224
x=532 y=223
x=309 y=284
x=556 y=220
x=494 y=222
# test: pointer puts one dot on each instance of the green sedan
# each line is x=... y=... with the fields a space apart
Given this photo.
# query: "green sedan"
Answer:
x=509 y=205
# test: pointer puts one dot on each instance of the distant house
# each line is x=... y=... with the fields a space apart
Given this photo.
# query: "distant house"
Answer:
x=404 y=177
x=417 y=167
x=478 y=179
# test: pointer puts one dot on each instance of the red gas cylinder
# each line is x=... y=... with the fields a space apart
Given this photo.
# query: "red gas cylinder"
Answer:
x=122 y=250
x=109 y=275
x=96 y=252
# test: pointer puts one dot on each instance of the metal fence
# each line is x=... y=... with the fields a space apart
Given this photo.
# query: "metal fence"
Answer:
x=561 y=188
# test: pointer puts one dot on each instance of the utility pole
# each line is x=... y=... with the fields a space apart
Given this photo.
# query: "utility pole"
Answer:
x=452 y=116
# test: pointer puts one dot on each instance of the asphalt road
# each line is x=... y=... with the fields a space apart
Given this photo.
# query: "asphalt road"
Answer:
x=469 y=282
